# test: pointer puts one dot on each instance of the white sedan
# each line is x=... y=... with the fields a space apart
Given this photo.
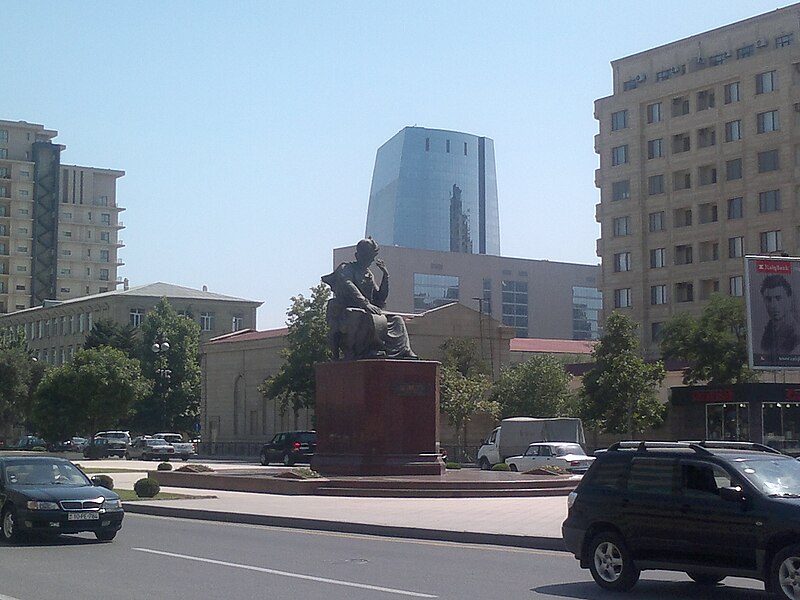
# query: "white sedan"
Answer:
x=567 y=455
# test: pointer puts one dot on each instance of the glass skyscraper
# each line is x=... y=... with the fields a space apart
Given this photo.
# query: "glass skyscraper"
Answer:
x=435 y=190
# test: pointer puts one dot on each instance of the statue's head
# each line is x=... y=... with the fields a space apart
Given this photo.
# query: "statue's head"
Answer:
x=366 y=250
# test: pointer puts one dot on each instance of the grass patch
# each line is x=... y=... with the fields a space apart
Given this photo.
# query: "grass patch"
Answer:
x=96 y=471
x=130 y=496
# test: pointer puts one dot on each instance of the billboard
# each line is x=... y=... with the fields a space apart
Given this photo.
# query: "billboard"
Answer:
x=772 y=287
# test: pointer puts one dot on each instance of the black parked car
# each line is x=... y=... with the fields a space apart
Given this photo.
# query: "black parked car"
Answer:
x=710 y=509
x=46 y=494
x=290 y=447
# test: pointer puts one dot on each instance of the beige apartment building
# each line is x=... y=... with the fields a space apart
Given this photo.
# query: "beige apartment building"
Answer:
x=59 y=224
x=699 y=158
x=538 y=298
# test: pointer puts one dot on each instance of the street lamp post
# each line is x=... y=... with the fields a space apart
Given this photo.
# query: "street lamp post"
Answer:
x=163 y=374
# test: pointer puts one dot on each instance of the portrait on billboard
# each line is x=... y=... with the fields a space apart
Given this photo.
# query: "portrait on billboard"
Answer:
x=773 y=285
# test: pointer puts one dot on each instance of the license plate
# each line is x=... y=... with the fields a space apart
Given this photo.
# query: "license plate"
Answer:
x=83 y=516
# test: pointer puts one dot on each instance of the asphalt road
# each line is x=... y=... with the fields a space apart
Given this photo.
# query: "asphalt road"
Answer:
x=162 y=558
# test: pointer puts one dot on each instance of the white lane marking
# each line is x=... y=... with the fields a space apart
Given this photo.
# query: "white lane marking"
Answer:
x=7 y=597
x=286 y=574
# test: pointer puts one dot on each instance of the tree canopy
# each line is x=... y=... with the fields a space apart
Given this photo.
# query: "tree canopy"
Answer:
x=107 y=332
x=294 y=385
x=19 y=375
x=96 y=390
x=714 y=345
x=538 y=387
x=619 y=393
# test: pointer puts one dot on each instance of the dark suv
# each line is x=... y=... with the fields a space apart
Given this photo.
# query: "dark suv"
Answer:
x=710 y=509
x=289 y=447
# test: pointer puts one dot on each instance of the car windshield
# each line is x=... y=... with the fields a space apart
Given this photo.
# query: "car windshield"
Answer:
x=779 y=476
x=44 y=473
x=568 y=449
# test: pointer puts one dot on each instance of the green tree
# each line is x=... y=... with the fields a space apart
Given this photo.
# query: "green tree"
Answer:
x=538 y=387
x=714 y=345
x=175 y=372
x=19 y=375
x=294 y=385
x=107 y=332
x=462 y=354
x=619 y=393
x=96 y=390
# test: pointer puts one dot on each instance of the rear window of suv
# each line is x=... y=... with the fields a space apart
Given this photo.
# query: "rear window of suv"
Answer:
x=307 y=438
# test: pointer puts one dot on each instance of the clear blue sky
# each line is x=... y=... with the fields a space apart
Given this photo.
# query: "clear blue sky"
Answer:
x=248 y=129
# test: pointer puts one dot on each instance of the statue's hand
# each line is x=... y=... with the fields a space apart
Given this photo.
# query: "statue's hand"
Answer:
x=374 y=309
x=381 y=265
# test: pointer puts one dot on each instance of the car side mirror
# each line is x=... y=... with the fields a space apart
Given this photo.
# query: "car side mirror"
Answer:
x=731 y=494
x=95 y=481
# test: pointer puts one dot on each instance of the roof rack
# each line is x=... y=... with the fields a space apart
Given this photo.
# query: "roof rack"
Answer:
x=700 y=447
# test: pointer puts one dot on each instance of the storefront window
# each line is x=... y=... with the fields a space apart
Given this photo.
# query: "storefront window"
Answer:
x=781 y=425
x=727 y=421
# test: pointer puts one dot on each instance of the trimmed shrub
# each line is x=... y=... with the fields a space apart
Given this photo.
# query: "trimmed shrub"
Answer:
x=38 y=449
x=195 y=469
x=146 y=488
x=104 y=481
x=165 y=466
x=501 y=467
x=452 y=465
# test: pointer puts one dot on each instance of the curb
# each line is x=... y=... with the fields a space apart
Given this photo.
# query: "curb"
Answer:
x=466 y=537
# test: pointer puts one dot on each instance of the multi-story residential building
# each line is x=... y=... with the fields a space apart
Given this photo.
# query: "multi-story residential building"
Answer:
x=436 y=190
x=698 y=154
x=59 y=224
x=538 y=298
x=56 y=330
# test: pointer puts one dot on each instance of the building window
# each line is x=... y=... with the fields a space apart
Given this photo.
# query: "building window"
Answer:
x=783 y=40
x=735 y=208
x=708 y=212
x=655 y=185
x=771 y=241
x=658 y=294
x=684 y=292
x=237 y=323
x=654 y=112
x=709 y=251
x=587 y=302
x=105 y=256
x=515 y=306
x=683 y=255
x=680 y=106
x=622 y=298
x=656 y=332
x=733 y=131
x=105 y=218
x=707 y=136
x=136 y=316
x=682 y=217
x=656 y=221
x=619 y=120
x=766 y=82
x=103 y=274
x=3 y=152
x=736 y=286
x=733 y=169
x=619 y=155
x=622 y=262
x=4 y=136
x=622 y=226
x=705 y=99
x=745 y=51
x=767 y=121
x=732 y=92
x=655 y=148
x=105 y=236
x=487 y=296
x=658 y=258
x=768 y=161
x=621 y=190
x=206 y=321
x=735 y=247
x=769 y=201
x=707 y=174
x=681 y=180
x=681 y=143
x=427 y=144
x=431 y=291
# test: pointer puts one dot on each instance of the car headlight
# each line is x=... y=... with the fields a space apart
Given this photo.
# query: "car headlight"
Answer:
x=40 y=505
x=112 y=504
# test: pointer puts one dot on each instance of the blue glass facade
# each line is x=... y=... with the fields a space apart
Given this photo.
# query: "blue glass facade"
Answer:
x=436 y=190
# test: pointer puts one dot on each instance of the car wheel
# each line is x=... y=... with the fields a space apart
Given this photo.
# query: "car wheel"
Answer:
x=288 y=461
x=484 y=464
x=514 y=467
x=184 y=458
x=784 y=577
x=127 y=456
x=145 y=456
x=9 y=530
x=610 y=562
x=105 y=535
x=705 y=578
x=264 y=460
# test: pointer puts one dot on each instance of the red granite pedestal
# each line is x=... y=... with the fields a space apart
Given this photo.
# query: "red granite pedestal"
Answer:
x=378 y=417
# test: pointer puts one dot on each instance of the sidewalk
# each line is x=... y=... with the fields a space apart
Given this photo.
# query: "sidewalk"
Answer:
x=522 y=522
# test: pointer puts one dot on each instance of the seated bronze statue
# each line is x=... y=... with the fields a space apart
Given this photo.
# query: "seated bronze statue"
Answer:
x=358 y=327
